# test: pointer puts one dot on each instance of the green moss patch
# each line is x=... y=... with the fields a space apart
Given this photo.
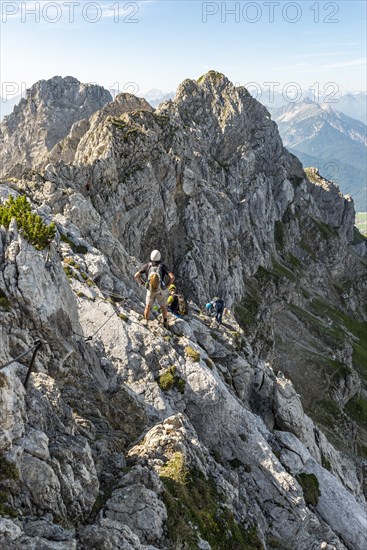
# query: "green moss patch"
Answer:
x=326 y=413
x=209 y=363
x=246 y=312
x=194 y=355
x=331 y=334
x=169 y=379
x=344 y=323
x=8 y=470
x=325 y=462
x=70 y=261
x=196 y=509
x=279 y=234
x=310 y=488
x=326 y=230
x=294 y=261
x=76 y=248
x=307 y=248
x=356 y=409
x=9 y=474
x=280 y=270
x=4 y=301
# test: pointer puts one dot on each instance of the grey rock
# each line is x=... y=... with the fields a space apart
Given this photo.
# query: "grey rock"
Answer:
x=50 y=109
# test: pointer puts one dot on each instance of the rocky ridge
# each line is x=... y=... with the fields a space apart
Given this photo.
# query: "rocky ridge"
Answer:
x=115 y=430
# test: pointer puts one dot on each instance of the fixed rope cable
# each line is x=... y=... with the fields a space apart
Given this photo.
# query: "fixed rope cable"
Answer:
x=89 y=338
x=37 y=345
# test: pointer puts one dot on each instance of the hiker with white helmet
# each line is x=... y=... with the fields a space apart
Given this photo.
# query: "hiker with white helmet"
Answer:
x=156 y=274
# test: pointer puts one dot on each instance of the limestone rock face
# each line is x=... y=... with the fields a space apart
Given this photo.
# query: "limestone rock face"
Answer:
x=48 y=112
x=134 y=437
x=84 y=131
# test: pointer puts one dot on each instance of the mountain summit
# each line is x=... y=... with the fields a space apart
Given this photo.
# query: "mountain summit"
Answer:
x=43 y=118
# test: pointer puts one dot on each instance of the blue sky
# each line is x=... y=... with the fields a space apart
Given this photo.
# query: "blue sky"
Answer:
x=170 y=42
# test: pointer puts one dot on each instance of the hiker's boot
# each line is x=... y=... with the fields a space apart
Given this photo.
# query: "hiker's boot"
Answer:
x=165 y=324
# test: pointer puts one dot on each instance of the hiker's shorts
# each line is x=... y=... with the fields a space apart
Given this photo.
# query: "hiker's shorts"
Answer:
x=160 y=297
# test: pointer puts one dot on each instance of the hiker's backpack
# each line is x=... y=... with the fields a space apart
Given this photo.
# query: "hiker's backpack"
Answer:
x=183 y=308
x=219 y=306
x=155 y=277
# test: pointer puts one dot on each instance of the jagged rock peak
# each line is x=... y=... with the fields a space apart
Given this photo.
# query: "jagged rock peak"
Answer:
x=130 y=102
x=86 y=130
x=48 y=112
x=212 y=82
x=67 y=88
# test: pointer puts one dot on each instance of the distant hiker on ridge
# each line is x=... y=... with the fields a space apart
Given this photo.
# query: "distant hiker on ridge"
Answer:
x=156 y=273
x=218 y=305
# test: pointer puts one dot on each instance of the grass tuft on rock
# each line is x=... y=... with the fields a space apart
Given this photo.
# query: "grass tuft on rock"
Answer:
x=169 y=379
x=196 y=509
x=356 y=408
x=194 y=355
x=4 y=301
x=8 y=470
x=310 y=488
x=76 y=248
x=9 y=474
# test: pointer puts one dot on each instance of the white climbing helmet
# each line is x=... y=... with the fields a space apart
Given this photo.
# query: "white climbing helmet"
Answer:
x=155 y=256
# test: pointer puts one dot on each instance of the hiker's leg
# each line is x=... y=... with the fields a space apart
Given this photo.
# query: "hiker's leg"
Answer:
x=164 y=312
x=148 y=305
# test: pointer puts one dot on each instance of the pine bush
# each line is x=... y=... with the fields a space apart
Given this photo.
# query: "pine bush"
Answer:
x=32 y=227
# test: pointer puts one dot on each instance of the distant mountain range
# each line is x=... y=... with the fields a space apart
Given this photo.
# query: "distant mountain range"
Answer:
x=156 y=96
x=335 y=143
x=352 y=104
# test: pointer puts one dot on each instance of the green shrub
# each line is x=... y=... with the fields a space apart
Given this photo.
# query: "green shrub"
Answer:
x=30 y=225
